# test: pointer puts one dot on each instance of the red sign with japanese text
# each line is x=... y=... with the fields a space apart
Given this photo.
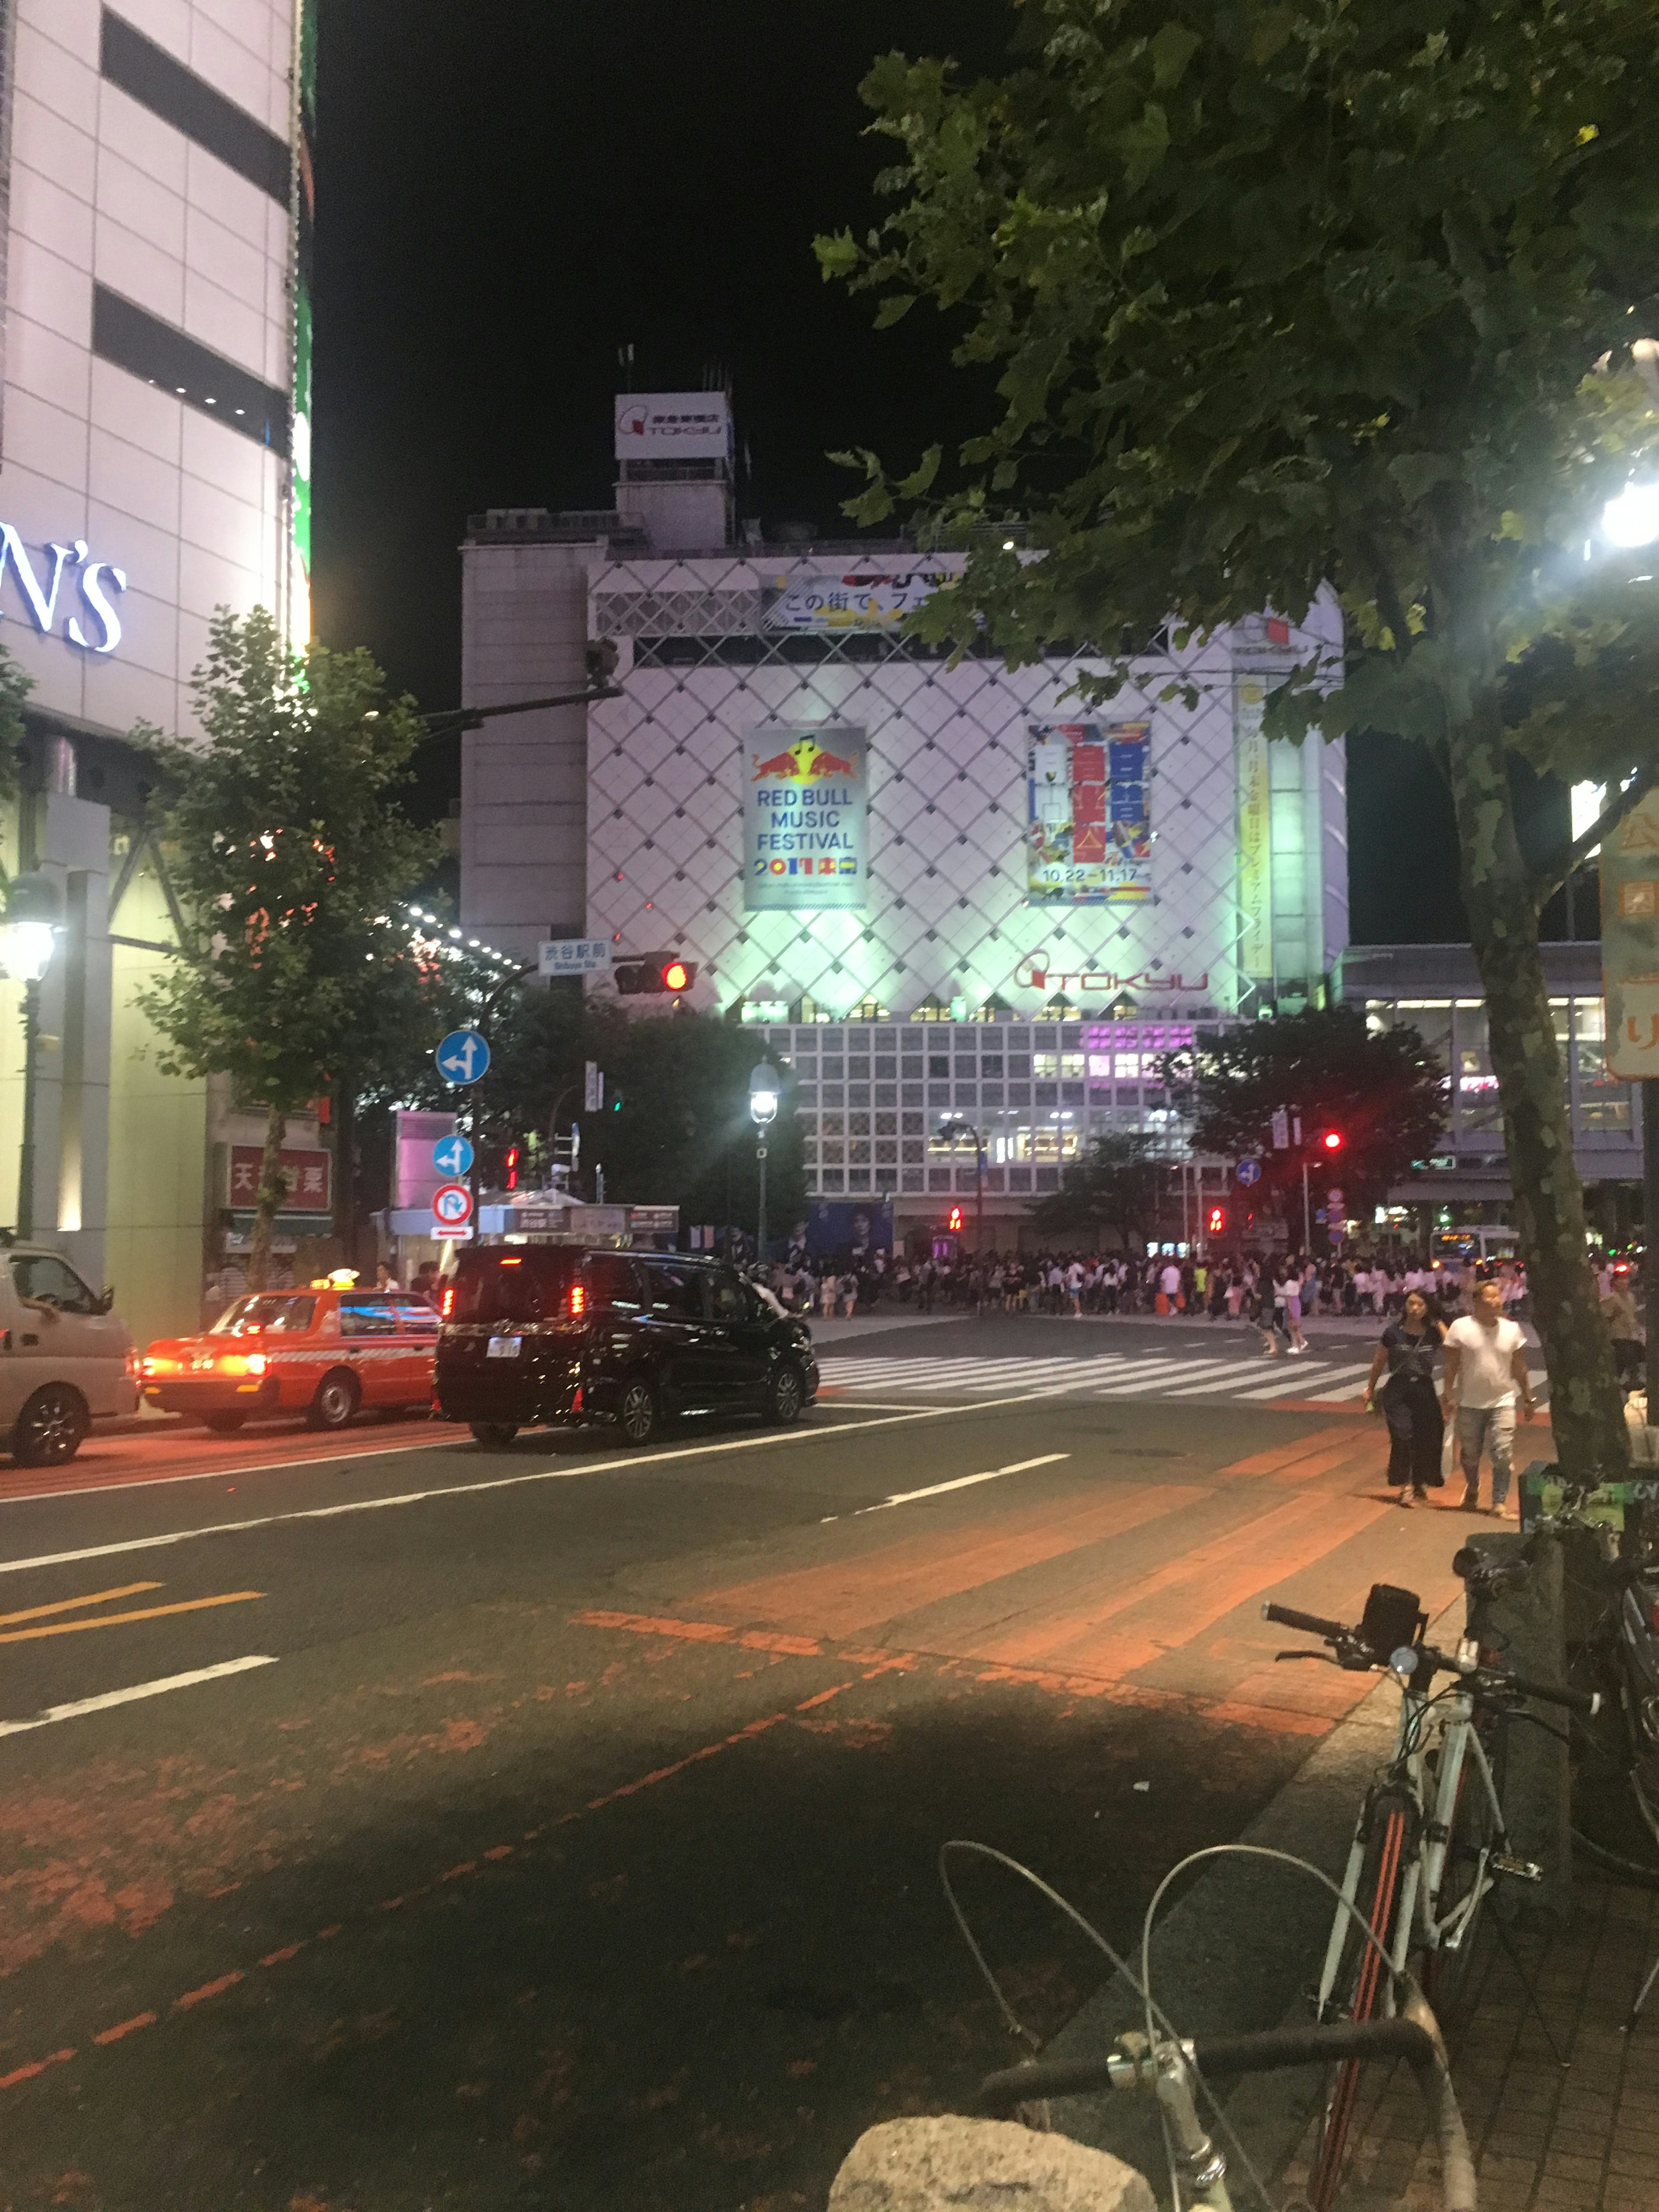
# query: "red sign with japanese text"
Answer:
x=307 y=1174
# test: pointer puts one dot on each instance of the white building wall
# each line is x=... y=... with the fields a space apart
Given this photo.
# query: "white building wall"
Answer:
x=104 y=191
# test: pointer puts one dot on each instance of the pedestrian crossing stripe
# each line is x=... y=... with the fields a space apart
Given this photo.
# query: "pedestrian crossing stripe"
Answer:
x=1325 y=1381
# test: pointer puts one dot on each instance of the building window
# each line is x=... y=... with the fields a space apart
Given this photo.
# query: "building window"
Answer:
x=131 y=338
x=149 y=74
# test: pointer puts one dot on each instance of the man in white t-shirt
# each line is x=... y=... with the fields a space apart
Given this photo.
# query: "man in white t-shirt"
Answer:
x=1486 y=1374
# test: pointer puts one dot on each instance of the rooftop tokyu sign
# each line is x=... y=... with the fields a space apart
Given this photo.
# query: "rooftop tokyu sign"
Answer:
x=64 y=591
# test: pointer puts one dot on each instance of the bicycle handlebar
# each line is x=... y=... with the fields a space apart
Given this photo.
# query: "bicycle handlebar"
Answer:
x=1308 y=1623
x=1437 y=1662
x=1216 y=2054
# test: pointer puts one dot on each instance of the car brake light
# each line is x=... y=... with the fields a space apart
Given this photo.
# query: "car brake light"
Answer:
x=447 y=1306
x=513 y=1262
x=256 y=1363
x=578 y=1303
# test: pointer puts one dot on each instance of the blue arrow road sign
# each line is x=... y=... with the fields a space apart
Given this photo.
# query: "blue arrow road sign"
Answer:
x=1248 y=1171
x=463 y=1056
x=452 y=1156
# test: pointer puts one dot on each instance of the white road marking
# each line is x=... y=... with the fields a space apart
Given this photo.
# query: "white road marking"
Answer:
x=1288 y=1388
x=225 y=1468
x=766 y=1440
x=961 y=1482
x=156 y=1689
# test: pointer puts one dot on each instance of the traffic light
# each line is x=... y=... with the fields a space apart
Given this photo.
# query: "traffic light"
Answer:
x=954 y=1220
x=661 y=974
x=510 y=1165
x=1331 y=1141
x=1217 y=1221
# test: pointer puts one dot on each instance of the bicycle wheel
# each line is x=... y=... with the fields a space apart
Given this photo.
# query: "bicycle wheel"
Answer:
x=1474 y=1833
x=1362 y=1974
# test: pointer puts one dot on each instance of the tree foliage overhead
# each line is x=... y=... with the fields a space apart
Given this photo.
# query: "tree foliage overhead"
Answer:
x=1119 y=1184
x=1383 y=1090
x=1288 y=297
x=1356 y=296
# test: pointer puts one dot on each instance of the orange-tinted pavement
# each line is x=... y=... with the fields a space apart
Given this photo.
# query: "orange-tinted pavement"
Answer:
x=176 y=1450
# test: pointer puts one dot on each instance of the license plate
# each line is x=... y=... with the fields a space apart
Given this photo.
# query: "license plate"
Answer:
x=505 y=1347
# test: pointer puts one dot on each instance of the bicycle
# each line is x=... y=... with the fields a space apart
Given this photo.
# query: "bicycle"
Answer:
x=1427 y=1849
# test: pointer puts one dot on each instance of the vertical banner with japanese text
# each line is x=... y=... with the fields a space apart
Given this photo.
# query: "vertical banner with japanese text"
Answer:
x=1630 y=942
x=1254 y=801
x=1089 y=837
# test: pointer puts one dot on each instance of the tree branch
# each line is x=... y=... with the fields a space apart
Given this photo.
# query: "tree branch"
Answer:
x=1548 y=879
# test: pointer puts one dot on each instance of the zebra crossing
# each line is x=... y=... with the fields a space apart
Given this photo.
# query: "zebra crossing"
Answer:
x=1315 y=1378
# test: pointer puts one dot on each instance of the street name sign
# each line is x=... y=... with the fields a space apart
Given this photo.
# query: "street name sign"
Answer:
x=575 y=956
x=463 y=1056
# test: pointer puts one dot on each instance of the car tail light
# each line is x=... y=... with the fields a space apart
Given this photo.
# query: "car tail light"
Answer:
x=577 y=1303
x=448 y=1304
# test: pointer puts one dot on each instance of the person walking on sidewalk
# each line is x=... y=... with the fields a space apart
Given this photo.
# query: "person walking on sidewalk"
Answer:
x=1485 y=1375
x=1408 y=1401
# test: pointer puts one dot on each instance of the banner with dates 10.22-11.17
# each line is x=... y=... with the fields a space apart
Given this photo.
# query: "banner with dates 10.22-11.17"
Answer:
x=805 y=817
x=1089 y=838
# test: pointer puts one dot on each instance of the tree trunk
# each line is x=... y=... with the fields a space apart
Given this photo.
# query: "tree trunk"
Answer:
x=273 y=1190
x=1585 y=1409
x=345 y=1169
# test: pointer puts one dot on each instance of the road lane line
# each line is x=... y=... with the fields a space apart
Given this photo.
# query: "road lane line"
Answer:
x=961 y=1482
x=74 y=1711
x=229 y=1466
x=118 y=1619
x=69 y=1604
x=768 y=1440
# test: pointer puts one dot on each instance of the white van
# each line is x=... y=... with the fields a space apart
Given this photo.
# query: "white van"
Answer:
x=66 y=1360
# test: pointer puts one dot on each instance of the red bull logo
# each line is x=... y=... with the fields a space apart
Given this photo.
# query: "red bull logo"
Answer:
x=805 y=762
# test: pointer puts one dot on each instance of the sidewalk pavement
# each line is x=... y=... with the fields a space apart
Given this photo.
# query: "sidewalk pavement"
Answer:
x=1582 y=2137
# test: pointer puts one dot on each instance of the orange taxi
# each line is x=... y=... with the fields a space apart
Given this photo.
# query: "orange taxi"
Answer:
x=325 y=1353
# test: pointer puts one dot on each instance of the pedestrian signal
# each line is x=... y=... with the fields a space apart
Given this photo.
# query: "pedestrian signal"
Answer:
x=1217 y=1219
x=955 y=1219
x=512 y=1165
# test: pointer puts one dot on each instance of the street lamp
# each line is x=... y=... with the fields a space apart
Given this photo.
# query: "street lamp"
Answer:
x=29 y=937
x=1633 y=518
x=765 y=1085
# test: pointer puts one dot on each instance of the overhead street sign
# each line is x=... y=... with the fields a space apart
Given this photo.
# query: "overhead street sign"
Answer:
x=575 y=956
x=463 y=1056
x=1249 y=1172
x=452 y=1155
x=452 y=1206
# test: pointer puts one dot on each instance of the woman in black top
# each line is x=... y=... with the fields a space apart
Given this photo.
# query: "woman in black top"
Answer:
x=1410 y=1398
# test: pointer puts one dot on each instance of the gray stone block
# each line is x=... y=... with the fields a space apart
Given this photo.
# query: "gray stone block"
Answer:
x=954 y=2165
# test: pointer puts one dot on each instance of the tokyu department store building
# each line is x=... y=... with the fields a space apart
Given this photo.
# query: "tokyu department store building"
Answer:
x=934 y=891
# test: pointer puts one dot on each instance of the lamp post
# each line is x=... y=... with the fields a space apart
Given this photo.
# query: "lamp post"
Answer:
x=765 y=1085
x=955 y=1131
x=29 y=937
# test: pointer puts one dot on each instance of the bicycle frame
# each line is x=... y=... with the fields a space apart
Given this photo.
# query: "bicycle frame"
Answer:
x=1423 y=1875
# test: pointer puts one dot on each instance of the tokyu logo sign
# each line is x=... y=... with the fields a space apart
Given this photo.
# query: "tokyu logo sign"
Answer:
x=61 y=579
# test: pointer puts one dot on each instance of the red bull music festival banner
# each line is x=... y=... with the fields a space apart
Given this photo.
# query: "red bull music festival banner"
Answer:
x=806 y=817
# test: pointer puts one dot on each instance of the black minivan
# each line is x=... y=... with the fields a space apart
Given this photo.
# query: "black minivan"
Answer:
x=542 y=1335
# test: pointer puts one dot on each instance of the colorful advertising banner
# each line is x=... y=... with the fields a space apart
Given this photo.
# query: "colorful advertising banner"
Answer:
x=1630 y=942
x=1256 y=878
x=806 y=817
x=1089 y=835
x=858 y=598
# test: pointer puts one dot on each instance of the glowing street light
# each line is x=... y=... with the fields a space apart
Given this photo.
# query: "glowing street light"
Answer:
x=29 y=937
x=1633 y=518
x=765 y=1088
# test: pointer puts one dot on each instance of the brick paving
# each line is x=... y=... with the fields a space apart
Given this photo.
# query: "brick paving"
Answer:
x=1546 y=2138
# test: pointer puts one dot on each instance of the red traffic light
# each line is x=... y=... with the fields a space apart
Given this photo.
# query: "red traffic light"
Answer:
x=513 y=1167
x=1217 y=1219
x=655 y=973
x=1332 y=1140
x=954 y=1221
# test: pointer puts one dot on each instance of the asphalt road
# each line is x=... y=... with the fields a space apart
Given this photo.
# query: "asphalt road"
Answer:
x=558 y=1826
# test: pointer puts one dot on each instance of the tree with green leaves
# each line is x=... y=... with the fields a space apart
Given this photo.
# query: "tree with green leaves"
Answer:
x=289 y=848
x=1119 y=1184
x=1341 y=297
x=1382 y=1091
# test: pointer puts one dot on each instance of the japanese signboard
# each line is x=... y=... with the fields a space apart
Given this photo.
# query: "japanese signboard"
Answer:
x=1630 y=942
x=673 y=426
x=575 y=956
x=307 y=1179
x=856 y=599
x=805 y=817
x=1089 y=838
x=1255 y=911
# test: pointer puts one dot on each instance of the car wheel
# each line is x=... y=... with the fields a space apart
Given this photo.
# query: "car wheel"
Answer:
x=50 y=1428
x=493 y=1435
x=785 y=1393
x=637 y=1416
x=224 y=1423
x=335 y=1401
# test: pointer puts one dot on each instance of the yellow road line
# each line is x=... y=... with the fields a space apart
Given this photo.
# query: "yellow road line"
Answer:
x=115 y=1619
x=69 y=1604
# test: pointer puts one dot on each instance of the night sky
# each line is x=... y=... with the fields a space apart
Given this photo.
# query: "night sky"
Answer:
x=508 y=193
